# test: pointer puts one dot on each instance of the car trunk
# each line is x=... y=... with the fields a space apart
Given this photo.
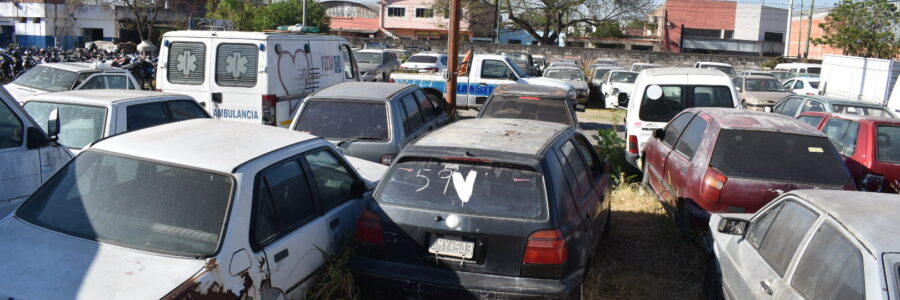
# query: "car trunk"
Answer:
x=747 y=195
x=478 y=223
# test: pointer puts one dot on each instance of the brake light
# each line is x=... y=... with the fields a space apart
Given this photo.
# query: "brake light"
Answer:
x=632 y=144
x=268 y=109
x=546 y=247
x=368 y=229
x=529 y=98
x=387 y=159
x=713 y=183
x=872 y=183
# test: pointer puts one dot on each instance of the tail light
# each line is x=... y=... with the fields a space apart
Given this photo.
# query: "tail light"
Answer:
x=810 y=94
x=871 y=183
x=387 y=159
x=546 y=247
x=713 y=183
x=268 y=109
x=368 y=229
x=632 y=144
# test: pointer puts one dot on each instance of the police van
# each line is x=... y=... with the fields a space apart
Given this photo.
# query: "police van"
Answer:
x=258 y=77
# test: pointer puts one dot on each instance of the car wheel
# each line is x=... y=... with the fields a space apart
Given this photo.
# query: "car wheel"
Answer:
x=712 y=280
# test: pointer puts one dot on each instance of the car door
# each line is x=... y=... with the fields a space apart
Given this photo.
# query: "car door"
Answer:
x=755 y=266
x=816 y=274
x=678 y=163
x=339 y=190
x=587 y=198
x=600 y=181
x=493 y=72
x=287 y=228
x=657 y=153
x=20 y=171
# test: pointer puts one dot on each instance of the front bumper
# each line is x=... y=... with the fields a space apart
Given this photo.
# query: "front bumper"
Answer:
x=392 y=280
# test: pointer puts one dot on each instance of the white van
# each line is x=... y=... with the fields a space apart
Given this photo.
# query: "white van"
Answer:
x=258 y=77
x=661 y=93
x=28 y=157
x=800 y=68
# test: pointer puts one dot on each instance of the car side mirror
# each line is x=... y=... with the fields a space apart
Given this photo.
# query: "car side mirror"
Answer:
x=35 y=138
x=53 y=125
x=733 y=226
x=358 y=189
x=659 y=134
x=580 y=107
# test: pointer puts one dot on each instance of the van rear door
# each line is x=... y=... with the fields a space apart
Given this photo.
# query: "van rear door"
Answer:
x=237 y=83
x=183 y=64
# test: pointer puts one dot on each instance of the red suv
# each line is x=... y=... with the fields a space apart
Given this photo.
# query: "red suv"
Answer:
x=717 y=160
x=866 y=143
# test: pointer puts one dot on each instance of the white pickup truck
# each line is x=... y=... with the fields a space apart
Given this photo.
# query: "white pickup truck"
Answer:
x=485 y=73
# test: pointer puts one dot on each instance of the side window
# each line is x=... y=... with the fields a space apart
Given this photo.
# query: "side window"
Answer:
x=785 y=234
x=812 y=105
x=674 y=129
x=265 y=224
x=690 y=140
x=333 y=180
x=843 y=134
x=494 y=69
x=593 y=163
x=130 y=84
x=413 y=117
x=790 y=106
x=116 y=82
x=185 y=110
x=290 y=193
x=819 y=276
x=578 y=167
x=236 y=65
x=95 y=83
x=444 y=60
x=146 y=115
x=11 y=128
x=425 y=105
x=798 y=85
x=760 y=226
x=349 y=66
x=789 y=84
x=187 y=63
x=811 y=120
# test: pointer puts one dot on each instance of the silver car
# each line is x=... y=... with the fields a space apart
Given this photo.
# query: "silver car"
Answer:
x=573 y=75
x=376 y=65
x=808 y=244
x=369 y=120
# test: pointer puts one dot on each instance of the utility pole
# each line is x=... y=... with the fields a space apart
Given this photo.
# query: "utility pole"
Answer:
x=304 y=13
x=812 y=5
x=453 y=52
x=787 y=40
x=800 y=30
x=496 y=21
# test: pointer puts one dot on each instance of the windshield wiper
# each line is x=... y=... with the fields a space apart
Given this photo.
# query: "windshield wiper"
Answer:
x=357 y=138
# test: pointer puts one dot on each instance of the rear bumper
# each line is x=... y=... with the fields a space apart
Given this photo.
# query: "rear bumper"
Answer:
x=632 y=158
x=391 y=280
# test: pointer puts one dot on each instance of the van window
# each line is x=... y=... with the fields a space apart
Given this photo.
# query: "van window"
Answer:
x=187 y=63
x=80 y=124
x=676 y=98
x=236 y=65
x=348 y=65
x=11 y=128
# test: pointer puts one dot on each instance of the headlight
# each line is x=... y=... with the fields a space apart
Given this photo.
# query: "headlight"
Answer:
x=571 y=94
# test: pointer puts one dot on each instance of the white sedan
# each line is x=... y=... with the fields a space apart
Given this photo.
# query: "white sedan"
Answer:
x=803 y=85
x=617 y=86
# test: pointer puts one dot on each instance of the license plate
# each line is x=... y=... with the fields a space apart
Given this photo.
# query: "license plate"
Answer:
x=448 y=247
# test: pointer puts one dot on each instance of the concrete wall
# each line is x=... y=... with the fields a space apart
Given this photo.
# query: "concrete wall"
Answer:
x=773 y=20
x=624 y=57
x=746 y=22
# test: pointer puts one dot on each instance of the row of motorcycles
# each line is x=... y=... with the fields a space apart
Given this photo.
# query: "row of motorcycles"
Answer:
x=16 y=61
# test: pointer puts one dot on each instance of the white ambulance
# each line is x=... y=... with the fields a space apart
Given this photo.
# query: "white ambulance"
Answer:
x=258 y=77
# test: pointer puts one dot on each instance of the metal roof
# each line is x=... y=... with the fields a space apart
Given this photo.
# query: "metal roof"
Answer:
x=362 y=90
x=102 y=96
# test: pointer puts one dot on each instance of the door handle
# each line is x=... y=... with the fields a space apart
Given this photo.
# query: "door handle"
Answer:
x=766 y=286
x=281 y=255
x=334 y=223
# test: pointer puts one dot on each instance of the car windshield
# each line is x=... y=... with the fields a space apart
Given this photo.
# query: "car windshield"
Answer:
x=565 y=74
x=368 y=57
x=528 y=108
x=778 y=156
x=861 y=110
x=813 y=84
x=336 y=120
x=519 y=72
x=47 y=79
x=625 y=77
x=133 y=203
x=79 y=125
x=887 y=150
x=764 y=85
x=497 y=190
x=725 y=69
x=676 y=98
x=425 y=59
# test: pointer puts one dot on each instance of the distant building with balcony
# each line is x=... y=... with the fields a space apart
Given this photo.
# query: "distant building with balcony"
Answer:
x=720 y=27
x=406 y=19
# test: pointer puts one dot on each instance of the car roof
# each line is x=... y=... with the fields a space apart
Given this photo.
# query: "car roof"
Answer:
x=713 y=63
x=82 y=66
x=840 y=101
x=732 y=118
x=102 y=96
x=682 y=71
x=866 y=215
x=430 y=54
x=606 y=67
x=362 y=90
x=518 y=136
x=563 y=67
x=211 y=144
x=531 y=90
x=645 y=64
x=867 y=119
x=757 y=77
x=373 y=51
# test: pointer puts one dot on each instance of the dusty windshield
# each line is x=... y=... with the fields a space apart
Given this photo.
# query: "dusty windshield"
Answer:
x=368 y=57
x=47 y=79
x=565 y=74
x=133 y=203
x=764 y=85
x=335 y=120
x=462 y=187
x=79 y=125
x=624 y=77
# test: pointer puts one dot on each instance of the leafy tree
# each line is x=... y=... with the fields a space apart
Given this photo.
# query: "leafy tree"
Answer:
x=145 y=13
x=239 y=12
x=291 y=12
x=862 y=28
x=608 y=29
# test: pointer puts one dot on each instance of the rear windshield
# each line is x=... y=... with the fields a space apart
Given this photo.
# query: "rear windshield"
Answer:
x=79 y=125
x=344 y=119
x=422 y=59
x=774 y=156
x=467 y=188
x=888 y=143
x=367 y=57
x=527 y=108
x=676 y=98
x=133 y=203
x=861 y=110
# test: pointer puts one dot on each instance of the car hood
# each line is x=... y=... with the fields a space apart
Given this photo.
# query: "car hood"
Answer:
x=544 y=81
x=20 y=93
x=623 y=87
x=370 y=171
x=765 y=97
x=43 y=264
x=367 y=67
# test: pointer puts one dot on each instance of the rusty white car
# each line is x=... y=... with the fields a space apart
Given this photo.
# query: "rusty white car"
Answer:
x=212 y=208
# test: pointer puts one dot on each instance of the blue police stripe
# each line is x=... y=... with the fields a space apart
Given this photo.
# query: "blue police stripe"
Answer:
x=461 y=88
